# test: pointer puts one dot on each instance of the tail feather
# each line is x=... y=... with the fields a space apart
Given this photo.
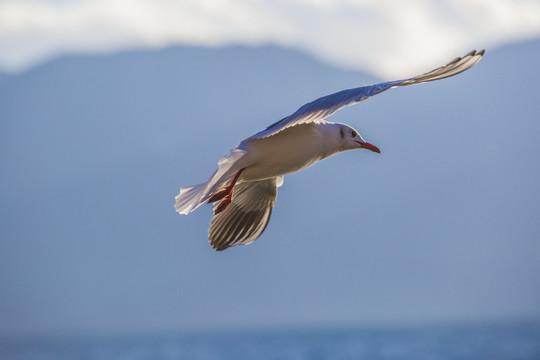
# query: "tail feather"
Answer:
x=190 y=198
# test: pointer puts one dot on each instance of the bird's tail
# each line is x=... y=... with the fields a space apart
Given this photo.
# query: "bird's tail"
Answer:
x=192 y=197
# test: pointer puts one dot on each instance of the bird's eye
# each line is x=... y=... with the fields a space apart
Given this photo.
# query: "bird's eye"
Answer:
x=353 y=133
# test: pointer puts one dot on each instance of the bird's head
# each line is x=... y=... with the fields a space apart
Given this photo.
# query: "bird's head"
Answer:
x=351 y=139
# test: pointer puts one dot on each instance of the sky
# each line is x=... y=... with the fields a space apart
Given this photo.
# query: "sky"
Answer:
x=384 y=37
x=442 y=226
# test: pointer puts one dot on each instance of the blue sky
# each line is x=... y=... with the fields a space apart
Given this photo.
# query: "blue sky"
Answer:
x=391 y=38
x=442 y=226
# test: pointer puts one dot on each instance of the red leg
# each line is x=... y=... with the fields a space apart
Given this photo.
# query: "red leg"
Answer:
x=219 y=195
x=223 y=204
x=227 y=192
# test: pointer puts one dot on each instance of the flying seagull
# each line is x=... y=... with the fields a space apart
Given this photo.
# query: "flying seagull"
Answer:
x=244 y=187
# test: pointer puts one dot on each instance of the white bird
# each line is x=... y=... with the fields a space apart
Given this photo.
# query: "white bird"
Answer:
x=244 y=187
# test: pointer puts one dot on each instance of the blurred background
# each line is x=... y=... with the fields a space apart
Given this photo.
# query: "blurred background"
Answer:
x=108 y=107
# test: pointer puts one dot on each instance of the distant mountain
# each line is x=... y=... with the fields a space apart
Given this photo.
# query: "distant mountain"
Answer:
x=442 y=226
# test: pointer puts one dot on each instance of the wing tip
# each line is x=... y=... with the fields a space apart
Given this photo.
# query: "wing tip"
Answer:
x=220 y=247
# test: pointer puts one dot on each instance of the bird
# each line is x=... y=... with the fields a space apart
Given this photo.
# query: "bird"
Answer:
x=243 y=189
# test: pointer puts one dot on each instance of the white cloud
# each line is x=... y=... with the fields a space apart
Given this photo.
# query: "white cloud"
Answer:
x=390 y=37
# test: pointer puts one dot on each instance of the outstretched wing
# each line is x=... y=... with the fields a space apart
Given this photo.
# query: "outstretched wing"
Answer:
x=325 y=106
x=245 y=219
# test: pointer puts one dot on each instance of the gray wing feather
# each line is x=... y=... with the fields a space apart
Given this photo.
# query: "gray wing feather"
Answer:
x=246 y=217
x=454 y=67
x=325 y=106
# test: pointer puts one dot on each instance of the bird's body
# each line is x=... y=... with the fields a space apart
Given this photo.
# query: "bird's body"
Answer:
x=244 y=187
x=295 y=149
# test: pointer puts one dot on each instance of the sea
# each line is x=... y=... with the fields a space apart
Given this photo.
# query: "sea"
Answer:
x=434 y=342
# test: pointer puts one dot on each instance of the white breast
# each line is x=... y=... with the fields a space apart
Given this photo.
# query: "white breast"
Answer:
x=289 y=151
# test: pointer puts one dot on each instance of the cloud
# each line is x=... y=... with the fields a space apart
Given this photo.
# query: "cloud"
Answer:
x=389 y=37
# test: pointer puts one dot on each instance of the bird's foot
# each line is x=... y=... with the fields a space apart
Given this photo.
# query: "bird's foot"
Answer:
x=219 y=195
x=227 y=192
x=223 y=204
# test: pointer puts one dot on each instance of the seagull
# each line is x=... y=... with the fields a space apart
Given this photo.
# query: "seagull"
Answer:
x=243 y=189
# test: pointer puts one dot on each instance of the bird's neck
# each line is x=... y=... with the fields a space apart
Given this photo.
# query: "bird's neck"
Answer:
x=331 y=142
